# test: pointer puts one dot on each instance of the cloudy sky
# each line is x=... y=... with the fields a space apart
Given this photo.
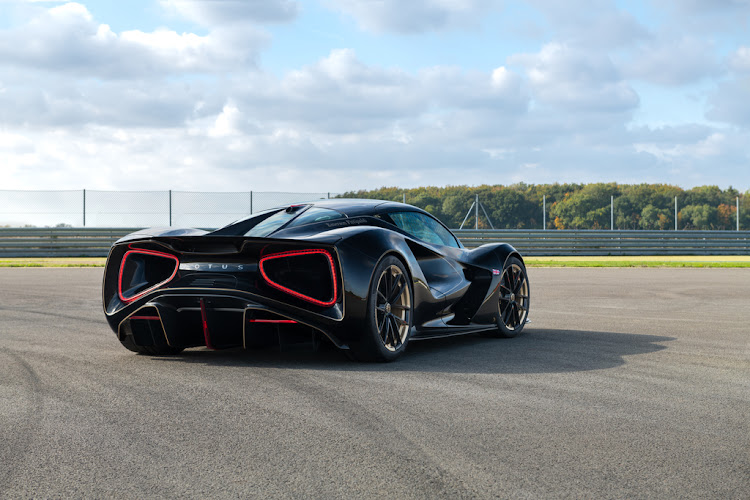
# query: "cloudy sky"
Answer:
x=335 y=95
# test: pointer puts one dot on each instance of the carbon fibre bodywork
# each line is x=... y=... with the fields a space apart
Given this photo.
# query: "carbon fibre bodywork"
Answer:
x=186 y=287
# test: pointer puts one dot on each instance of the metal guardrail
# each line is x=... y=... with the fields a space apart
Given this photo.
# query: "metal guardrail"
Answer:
x=95 y=242
x=619 y=242
x=58 y=241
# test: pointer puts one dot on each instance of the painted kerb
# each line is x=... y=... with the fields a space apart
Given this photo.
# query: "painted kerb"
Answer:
x=95 y=242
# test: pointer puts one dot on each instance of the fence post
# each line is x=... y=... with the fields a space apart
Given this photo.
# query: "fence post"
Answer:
x=675 y=213
x=544 y=212
x=170 y=208
x=404 y=197
x=251 y=203
x=84 y=208
x=738 y=213
x=612 y=212
x=476 y=213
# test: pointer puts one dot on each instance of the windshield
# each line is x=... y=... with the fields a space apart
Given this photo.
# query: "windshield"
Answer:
x=295 y=215
x=272 y=223
x=316 y=214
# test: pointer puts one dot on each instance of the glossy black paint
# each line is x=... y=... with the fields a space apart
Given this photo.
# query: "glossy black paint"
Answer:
x=218 y=297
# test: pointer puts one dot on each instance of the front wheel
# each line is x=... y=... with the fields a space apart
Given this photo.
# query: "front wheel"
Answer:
x=513 y=299
x=389 y=309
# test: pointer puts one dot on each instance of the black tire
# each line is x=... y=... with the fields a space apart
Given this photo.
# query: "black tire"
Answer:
x=513 y=299
x=389 y=312
x=153 y=350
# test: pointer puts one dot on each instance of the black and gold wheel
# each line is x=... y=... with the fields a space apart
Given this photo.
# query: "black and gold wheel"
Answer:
x=389 y=309
x=513 y=299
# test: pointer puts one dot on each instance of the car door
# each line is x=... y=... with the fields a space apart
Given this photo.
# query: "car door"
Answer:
x=444 y=276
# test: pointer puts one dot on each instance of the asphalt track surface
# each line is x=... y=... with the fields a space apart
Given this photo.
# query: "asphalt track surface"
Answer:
x=628 y=383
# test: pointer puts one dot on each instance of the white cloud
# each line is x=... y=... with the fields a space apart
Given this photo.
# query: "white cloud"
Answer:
x=740 y=60
x=570 y=78
x=227 y=123
x=591 y=24
x=66 y=38
x=673 y=61
x=414 y=16
x=221 y=12
x=730 y=102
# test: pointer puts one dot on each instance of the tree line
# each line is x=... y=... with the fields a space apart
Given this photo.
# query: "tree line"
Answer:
x=578 y=206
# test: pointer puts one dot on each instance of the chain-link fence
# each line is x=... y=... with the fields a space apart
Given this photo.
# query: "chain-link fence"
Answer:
x=87 y=208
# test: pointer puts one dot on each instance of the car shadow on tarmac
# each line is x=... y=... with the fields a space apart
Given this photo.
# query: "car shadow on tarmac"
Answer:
x=534 y=351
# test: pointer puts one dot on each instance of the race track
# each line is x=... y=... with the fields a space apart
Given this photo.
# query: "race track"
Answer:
x=627 y=383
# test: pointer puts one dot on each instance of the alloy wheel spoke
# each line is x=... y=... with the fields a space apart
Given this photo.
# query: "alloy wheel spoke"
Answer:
x=383 y=329
x=401 y=284
x=396 y=331
x=506 y=314
x=395 y=337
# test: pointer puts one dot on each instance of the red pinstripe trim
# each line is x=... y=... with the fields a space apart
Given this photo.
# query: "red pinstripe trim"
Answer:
x=206 y=333
x=271 y=321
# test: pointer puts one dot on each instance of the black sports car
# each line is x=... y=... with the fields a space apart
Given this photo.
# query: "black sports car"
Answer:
x=367 y=275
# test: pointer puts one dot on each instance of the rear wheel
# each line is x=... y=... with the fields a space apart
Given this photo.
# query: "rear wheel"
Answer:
x=389 y=309
x=513 y=299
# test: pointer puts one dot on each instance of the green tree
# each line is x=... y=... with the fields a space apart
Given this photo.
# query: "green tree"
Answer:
x=698 y=217
x=745 y=211
x=588 y=208
x=655 y=218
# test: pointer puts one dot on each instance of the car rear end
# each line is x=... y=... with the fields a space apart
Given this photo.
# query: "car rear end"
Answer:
x=219 y=291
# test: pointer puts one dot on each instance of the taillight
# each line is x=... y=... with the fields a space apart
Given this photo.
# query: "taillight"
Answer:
x=142 y=271
x=309 y=274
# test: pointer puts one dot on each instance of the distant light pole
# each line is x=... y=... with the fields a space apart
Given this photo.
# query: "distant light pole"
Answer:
x=675 y=213
x=544 y=212
x=612 y=212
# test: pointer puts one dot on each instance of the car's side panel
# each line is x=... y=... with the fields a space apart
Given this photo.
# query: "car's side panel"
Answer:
x=360 y=252
x=492 y=258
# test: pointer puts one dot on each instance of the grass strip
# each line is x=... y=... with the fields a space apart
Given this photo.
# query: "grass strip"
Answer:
x=54 y=262
x=731 y=261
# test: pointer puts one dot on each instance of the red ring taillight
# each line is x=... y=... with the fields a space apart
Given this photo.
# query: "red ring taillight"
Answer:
x=296 y=253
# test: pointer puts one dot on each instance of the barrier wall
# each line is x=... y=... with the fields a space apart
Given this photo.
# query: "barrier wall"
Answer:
x=95 y=242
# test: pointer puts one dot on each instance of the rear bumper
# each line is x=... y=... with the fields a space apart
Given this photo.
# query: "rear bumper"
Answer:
x=215 y=320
